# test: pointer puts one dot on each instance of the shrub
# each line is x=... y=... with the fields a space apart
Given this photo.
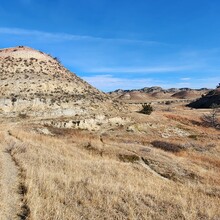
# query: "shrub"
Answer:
x=57 y=59
x=193 y=136
x=131 y=158
x=168 y=102
x=22 y=115
x=167 y=146
x=13 y=99
x=211 y=119
x=146 y=109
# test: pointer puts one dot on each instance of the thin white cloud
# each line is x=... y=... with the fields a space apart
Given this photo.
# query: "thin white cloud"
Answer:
x=185 y=79
x=209 y=82
x=71 y=37
x=110 y=83
x=157 y=69
x=183 y=84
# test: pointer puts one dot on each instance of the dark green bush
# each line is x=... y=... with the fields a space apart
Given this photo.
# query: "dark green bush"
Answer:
x=146 y=109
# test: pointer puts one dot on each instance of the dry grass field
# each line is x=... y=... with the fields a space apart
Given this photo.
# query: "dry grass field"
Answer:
x=162 y=166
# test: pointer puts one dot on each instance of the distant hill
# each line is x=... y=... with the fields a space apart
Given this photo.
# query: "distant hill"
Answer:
x=206 y=101
x=156 y=92
x=189 y=94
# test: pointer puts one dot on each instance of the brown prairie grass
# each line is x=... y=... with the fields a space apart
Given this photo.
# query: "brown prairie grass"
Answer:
x=205 y=159
x=65 y=181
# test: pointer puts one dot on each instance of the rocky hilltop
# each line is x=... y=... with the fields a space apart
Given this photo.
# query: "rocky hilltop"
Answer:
x=35 y=83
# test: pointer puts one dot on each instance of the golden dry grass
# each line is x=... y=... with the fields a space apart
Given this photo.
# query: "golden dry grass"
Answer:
x=118 y=174
x=66 y=182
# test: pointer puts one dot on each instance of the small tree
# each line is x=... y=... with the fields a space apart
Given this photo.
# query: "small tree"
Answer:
x=146 y=109
x=211 y=118
x=57 y=59
x=218 y=86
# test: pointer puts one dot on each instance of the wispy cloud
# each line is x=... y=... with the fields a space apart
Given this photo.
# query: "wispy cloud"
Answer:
x=156 y=69
x=72 y=37
x=185 y=79
x=110 y=82
x=197 y=83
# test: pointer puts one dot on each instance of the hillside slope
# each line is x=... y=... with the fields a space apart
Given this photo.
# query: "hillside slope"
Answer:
x=37 y=83
x=162 y=166
x=213 y=97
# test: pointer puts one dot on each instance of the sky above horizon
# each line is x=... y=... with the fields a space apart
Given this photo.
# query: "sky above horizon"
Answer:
x=122 y=44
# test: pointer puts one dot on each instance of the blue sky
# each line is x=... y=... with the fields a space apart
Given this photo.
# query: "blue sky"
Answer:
x=123 y=44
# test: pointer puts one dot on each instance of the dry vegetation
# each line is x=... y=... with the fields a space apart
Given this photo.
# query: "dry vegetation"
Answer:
x=127 y=165
x=119 y=173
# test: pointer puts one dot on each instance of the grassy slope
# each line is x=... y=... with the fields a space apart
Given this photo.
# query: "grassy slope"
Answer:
x=78 y=175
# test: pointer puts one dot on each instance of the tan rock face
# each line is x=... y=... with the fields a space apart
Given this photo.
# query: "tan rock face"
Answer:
x=34 y=82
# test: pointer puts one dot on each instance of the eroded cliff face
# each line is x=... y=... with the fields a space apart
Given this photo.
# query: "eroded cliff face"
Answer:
x=38 y=108
x=48 y=108
x=36 y=84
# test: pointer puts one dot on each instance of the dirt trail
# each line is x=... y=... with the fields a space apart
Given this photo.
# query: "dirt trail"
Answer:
x=12 y=206
x=10 y=198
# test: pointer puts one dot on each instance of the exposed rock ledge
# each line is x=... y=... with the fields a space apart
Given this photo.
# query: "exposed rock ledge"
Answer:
x=47 y=108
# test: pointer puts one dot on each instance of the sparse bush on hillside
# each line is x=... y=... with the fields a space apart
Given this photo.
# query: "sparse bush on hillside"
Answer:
x=146 y=109
x=57 y=59
x=13 y=100
x=129 y=158
x=168 y=102
x=167 y=146
x=22 y=115
x=211 y=119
